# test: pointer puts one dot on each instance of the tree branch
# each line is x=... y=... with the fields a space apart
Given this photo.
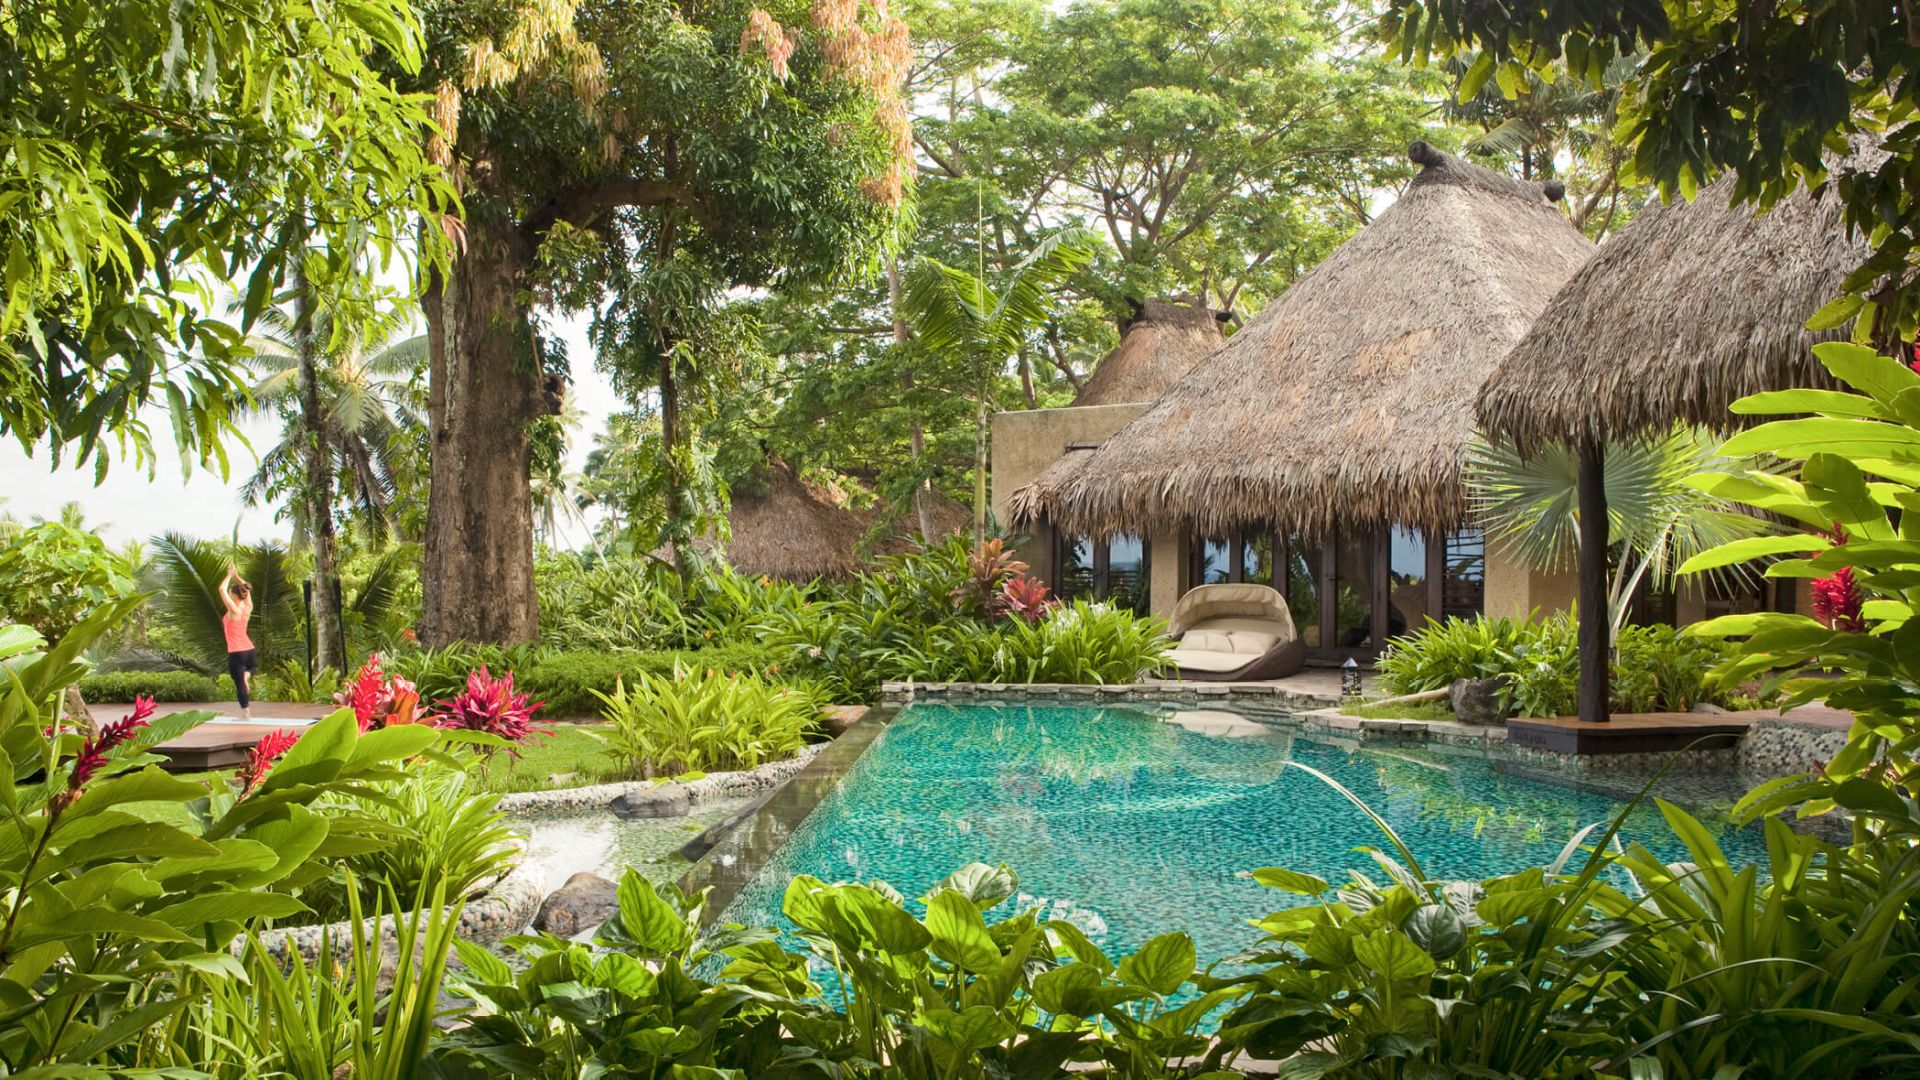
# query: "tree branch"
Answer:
x=584 y=205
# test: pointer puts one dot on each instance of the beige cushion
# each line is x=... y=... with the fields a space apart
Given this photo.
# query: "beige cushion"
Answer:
x=1209 y=660
x=1236 y=634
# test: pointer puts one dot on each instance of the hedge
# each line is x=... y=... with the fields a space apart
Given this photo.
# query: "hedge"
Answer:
x=116 y=687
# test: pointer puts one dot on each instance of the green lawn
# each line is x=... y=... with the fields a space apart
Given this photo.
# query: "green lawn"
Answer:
x=1419 y=710
x=573 y=750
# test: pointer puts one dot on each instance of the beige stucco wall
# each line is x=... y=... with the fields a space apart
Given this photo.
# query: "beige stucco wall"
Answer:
x=1514 y=591
x=1025 y=443
x=1169 y=553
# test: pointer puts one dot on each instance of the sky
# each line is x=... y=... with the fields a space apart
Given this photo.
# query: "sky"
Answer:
x=130 y=505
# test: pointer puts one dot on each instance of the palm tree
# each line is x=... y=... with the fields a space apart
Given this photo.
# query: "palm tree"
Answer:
x=1656 y=518
x=336 y=384
x=372 y=401
x=187 y=573
x=952 y=310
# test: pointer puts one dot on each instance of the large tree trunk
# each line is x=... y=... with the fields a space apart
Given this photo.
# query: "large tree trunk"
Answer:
x=487 y=387
x=329 y=649
x=917 y=433
x=1595 y=621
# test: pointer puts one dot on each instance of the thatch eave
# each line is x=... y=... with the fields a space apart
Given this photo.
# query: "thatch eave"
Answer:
x=1691 y=307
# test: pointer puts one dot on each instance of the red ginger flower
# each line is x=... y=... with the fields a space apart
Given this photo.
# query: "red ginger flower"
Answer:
x=93 y=753
x=369 y=696
x=490 y=705
x=1837 y=601
x=260 y=760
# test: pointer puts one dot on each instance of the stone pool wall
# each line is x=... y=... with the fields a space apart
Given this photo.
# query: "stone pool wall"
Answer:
x=561 y=802
x=1783 y=747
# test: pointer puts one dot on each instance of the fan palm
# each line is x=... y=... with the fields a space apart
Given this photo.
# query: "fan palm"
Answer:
x=955 y=311
x=187 y=574
x=1656 y=521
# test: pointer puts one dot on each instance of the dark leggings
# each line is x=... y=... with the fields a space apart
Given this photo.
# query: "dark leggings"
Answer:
x=240 y=665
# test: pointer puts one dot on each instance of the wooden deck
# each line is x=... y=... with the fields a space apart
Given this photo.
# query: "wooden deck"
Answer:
x=1655 y=733
x=224 y=745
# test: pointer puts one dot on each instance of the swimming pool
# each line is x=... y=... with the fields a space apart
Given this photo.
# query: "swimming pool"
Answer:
x=1130 y=822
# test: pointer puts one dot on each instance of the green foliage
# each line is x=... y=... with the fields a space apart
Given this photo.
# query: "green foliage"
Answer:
x=155 y=151
x=1619 y=965
x=96 y=894
x=1658 y=669
x=1081 y=642
x=927 y=993
x=1855 y=488
x=119 y=687
x=440 y=832
x=53 y=575
x=345 y=1013
x=704 y=721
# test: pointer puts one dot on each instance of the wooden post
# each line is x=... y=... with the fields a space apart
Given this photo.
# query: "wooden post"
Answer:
x=1595 y=674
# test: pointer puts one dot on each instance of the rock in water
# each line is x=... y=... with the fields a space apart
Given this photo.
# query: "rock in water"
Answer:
x=585 y=900
x=1480 y=701
x=664 y=801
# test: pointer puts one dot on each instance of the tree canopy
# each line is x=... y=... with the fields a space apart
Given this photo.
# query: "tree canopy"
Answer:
x=156 y=151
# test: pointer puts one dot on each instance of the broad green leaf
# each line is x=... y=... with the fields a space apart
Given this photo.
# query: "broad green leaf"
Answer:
x=1292 y=881
x=1437 y=929
x=959 y=933
x=985 y=885
x=1393 y=954
x=975 y=1028
x=1161 y=965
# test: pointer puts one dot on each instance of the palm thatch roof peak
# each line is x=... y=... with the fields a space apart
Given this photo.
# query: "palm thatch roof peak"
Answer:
x=1348 y=401
x=1161 y=343
x=1690 y=307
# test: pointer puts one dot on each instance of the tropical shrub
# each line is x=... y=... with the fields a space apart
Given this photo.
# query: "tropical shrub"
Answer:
x=568 y=681
x=288 y=681
x=125 y=686
x=111 y=916
x=701 y=721
x=53 y=575
x=922 y=996
x=441 y=673
x=379 y=700
x=1081 y=642
x=441 y=831
x=990 y=567
x=1692 y=969
x=1657 y=668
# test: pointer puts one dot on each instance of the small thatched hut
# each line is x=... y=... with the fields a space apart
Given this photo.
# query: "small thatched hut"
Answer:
x=1689 y=308
x=1157 y=347
x=784 y=527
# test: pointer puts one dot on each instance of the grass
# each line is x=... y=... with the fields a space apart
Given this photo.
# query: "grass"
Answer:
x=573 y=750
x=1419 y=710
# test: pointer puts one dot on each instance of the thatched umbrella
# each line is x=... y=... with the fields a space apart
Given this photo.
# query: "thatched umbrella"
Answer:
x=1348 y=401
x=1157 y=346
x=1692 y=306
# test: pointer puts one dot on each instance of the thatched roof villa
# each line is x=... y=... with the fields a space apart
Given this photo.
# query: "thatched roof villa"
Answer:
x=1320 y=448
x=1689 y=308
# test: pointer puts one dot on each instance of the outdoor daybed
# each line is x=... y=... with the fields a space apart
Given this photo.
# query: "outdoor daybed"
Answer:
x=1235 y=633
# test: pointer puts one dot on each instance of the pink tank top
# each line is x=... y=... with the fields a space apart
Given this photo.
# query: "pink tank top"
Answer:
x=236 y=628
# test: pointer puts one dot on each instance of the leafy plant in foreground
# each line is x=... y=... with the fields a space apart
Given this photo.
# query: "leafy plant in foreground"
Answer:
x=100 y=901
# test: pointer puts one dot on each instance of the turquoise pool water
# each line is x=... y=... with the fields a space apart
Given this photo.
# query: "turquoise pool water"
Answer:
x=1129 y=825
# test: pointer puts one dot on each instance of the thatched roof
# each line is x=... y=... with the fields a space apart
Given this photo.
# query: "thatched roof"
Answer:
x=1349 y=400
x=1030 y=502
x=1691 y=306
x=799 y=531
x=1157 y=347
